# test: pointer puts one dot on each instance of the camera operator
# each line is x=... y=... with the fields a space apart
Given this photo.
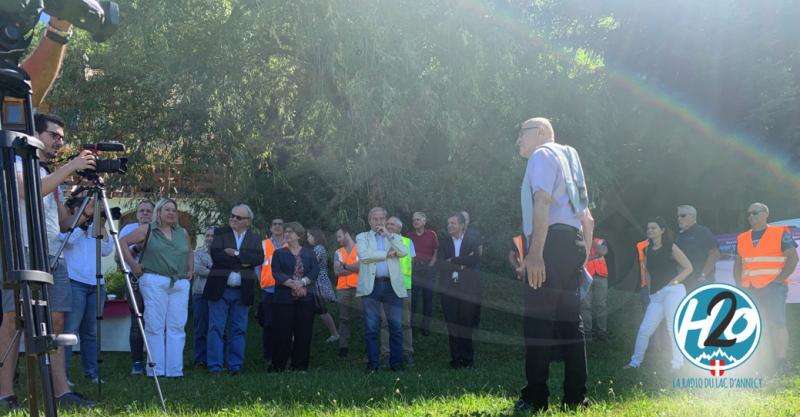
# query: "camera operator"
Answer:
x=50 y=130
x=44 y=64
x=80 y=253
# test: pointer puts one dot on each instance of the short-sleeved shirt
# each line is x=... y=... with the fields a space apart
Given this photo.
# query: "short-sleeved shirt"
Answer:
x=695 y=242
x=544 y=173
x=50 y=214
x=425 y=244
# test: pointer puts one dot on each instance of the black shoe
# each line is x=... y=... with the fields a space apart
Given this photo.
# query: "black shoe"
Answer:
x=426 y=332
x=200 y=365
x=455 y=364
x=74 y=399
x=522 y=406
x=235 y=372
x=343 y=352
x=467 y=364
x=10 y=403
x=571 y=406
x=396 y=368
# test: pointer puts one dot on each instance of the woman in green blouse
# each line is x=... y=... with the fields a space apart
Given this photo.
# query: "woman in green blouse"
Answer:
x=164 y=271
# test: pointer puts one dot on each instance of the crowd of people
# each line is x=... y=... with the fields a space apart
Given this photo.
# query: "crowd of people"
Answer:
x=379 y=277
x=374 y=275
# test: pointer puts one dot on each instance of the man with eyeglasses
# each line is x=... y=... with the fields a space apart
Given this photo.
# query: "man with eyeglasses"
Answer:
x=230 y=289
x=699 y=245
x=765 y=258
x=559 y=229
x=49 y=129
x=144 y=215
x=272 y=243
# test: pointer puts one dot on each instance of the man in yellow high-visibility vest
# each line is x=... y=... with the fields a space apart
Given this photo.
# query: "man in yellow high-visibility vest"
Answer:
x=395 y=225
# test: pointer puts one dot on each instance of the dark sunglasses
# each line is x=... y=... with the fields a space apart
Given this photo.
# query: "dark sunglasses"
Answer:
x=233 y=216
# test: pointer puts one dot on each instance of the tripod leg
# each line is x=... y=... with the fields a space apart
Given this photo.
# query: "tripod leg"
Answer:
x=99 y=226
x=129 y=290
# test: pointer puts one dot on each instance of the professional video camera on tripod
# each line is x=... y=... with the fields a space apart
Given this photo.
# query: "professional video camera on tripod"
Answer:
x=26 y=270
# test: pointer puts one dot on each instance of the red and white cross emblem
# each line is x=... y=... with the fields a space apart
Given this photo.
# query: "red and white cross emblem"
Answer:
x=716 y=367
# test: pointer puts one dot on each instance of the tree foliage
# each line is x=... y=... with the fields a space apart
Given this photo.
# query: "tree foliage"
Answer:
x=316 y=110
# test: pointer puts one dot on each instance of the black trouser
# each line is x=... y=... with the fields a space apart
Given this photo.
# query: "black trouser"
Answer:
x=265 y=320
x=135 y=334
x=291 y=334
x=461 y=312
x=424 y=282
x=552 y=320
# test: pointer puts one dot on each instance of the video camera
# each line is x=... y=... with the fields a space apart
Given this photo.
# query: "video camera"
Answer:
x=18 y=18
x=114 y=166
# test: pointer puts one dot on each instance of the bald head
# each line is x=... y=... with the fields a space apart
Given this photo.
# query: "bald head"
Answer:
x=539 y=123
x=532 y=134
x=757 y=215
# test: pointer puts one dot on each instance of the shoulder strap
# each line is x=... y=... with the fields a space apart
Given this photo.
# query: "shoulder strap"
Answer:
x=146 y=240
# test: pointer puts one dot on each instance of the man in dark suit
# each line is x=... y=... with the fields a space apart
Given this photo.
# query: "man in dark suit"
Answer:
x=460 y=287
x=229 y=290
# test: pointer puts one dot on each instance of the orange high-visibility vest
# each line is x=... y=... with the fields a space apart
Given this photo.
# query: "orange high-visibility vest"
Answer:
x=640 y=247
x=597 y=267
x=518 y=244
x=763 y=263
x=349 y=280
x=267 y=280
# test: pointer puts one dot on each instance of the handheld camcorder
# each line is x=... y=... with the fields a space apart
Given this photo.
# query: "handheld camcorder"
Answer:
x=114 y=166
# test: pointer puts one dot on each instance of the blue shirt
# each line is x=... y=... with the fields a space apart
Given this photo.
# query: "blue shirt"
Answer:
x=381 y=268
x=544 y=173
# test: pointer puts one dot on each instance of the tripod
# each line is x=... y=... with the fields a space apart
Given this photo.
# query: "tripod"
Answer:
x=97 y=194
x=29 y=282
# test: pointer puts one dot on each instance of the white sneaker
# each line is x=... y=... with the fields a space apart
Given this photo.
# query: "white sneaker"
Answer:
x=332 y=339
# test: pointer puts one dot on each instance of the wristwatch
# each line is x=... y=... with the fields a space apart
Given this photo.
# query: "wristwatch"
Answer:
x=58 y=36
x=236 y=253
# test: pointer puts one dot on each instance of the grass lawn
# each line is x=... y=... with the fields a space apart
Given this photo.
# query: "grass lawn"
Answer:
x=336 y=387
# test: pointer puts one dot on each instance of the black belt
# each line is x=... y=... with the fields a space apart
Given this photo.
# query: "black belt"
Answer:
x=232 y=287
x=383 y=278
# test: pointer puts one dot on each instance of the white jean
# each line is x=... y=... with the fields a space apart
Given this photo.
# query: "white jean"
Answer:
x=662 y=307
x=165 y=312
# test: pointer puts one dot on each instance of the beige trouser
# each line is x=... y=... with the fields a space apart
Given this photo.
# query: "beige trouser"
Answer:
x=407 y=345
x=348 y=306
